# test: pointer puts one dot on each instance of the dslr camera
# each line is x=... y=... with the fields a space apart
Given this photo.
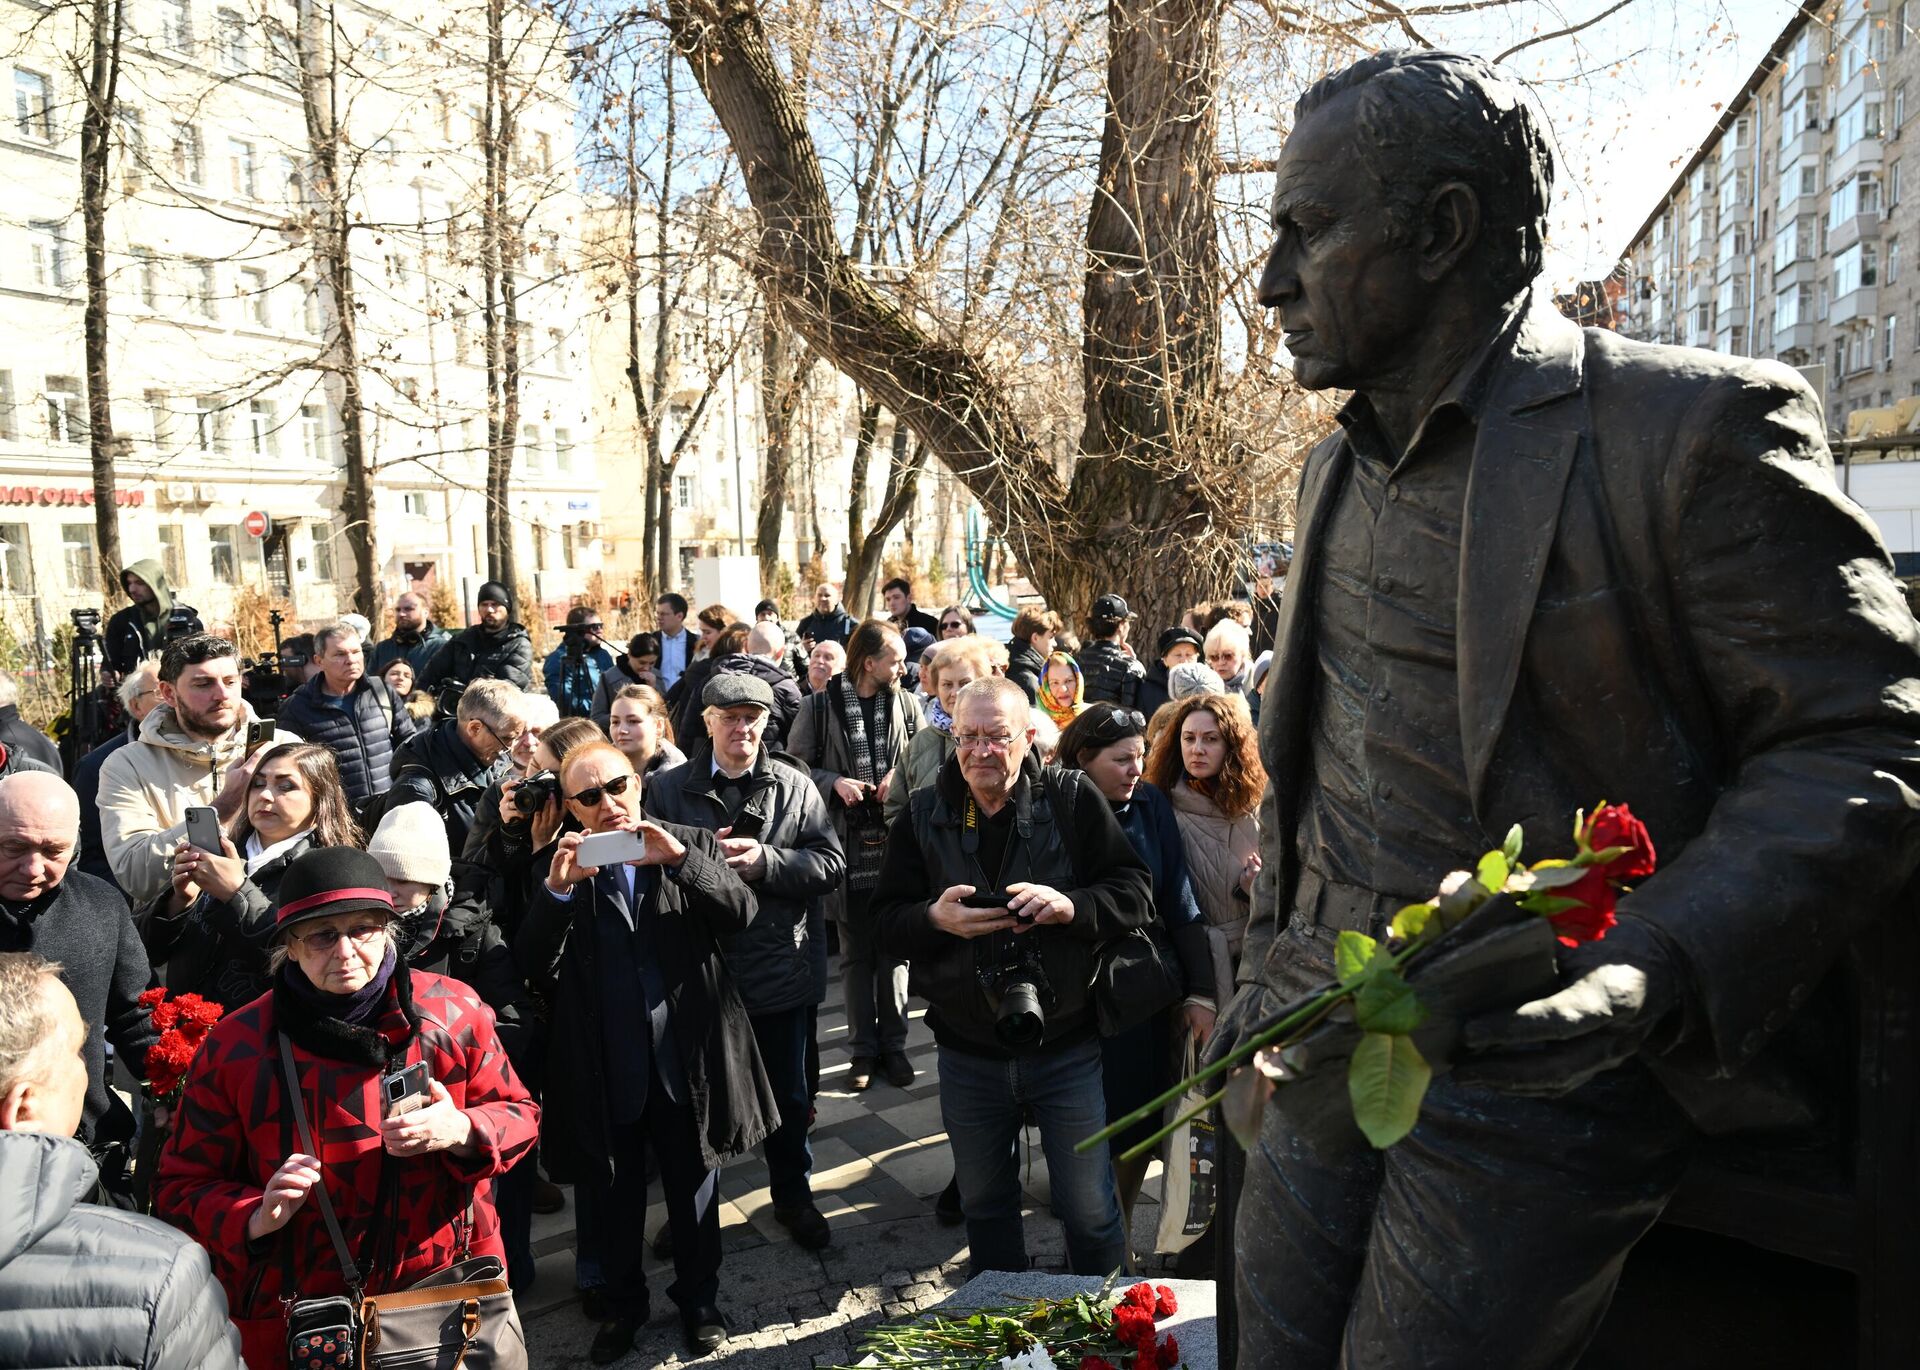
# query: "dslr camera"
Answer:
x=531 y=794
x=1014 y=978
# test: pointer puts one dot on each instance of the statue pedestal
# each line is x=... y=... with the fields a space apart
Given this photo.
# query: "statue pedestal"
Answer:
x=1193 y=1325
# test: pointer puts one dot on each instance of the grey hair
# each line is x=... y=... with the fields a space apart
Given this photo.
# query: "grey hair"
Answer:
x=496 y=703
x=325 y=636
x=1425 y=118
x=1002 y=692
x=23 y=1013
x=130 y=689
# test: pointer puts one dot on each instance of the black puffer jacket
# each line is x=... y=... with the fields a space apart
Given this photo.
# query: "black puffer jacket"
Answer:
x=772 y=958
x=1025 y=666
x=87 y=1286
x=476 y=654
x=437 y=767
x=362 y=737
x=1111 y=673
x=217 y=948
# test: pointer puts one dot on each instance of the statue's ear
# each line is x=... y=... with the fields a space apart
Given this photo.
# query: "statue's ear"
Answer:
x=1450 y=228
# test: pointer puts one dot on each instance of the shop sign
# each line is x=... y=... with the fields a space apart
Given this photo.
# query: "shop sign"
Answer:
x=53 y=494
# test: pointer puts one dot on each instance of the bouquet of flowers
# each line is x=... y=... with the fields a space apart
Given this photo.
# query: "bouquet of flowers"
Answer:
x=183 y=1021
x=1109 y=1329
x=1486 y=938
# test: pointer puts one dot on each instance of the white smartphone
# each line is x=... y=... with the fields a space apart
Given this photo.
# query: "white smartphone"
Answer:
x=203 y=830
x=610 y=848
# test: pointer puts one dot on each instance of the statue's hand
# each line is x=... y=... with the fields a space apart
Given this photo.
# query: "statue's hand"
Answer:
x=1614 y=994
x=1251 y=1006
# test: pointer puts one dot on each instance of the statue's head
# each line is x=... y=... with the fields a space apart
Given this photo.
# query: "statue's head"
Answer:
x=1412 y=184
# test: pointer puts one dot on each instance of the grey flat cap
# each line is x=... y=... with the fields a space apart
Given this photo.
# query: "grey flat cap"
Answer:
x=729 y=688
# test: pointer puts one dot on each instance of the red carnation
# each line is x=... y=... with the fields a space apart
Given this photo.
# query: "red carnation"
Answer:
x=166 y=1014
x=1141 y=1297
x=1590 y=918
x=1169 y=1353
x=1613 y=825
x=1133 y=1326
x=148 y=998
x=1164 y=1304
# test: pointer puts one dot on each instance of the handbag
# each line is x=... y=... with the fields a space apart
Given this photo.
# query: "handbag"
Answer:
x=1135 y=975
x=460 y=1318
x=1189 y=1188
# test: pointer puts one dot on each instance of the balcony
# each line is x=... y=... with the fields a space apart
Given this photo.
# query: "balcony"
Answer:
x=1849 y=231
x=1865 y=153
x=1801 y=269
x=1855 y=304
x=1805 y=144
x=1793 y=338
x=1809 y=75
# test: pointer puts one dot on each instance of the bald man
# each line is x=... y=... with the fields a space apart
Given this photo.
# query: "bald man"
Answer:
x=81 y=922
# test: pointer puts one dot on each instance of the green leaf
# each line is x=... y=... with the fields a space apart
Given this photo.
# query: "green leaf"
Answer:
x=1351 y=952
x=1553 y=875
x=1386 y=1082
x=1387 y=1003
x=1410 y=922
x=1511 y=847
x=1546 y=905
x=1493 y=871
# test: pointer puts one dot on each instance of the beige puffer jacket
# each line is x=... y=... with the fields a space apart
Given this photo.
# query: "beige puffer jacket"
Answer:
x=147 y=787
x=1217 y=849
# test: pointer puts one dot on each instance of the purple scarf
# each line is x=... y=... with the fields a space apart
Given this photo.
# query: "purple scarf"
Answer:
x=358 y=1007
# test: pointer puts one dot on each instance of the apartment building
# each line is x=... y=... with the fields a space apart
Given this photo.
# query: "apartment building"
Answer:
x=225 y=413
x=1781 y=237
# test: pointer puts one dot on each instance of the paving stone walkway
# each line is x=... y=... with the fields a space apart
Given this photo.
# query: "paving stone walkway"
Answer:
x=880 y=1161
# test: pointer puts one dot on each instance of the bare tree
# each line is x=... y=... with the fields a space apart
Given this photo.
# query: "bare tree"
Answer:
x=106 y=33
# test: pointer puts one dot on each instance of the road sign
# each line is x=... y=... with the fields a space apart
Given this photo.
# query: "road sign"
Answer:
x=257 y=523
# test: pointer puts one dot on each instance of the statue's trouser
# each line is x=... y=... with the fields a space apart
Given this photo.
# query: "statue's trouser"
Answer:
x=1493 y=1234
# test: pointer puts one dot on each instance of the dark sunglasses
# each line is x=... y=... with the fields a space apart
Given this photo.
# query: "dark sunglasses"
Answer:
x=616 y=787
x=1118 y=724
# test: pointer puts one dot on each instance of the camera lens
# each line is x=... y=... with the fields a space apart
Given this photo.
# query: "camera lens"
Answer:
x=1021 y=1022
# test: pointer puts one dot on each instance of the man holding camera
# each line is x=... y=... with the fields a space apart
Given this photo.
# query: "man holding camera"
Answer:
x=775 y=832
x=651 y=1050
x=192 y=751
x=149 y=622
x=574 y=668
x=1001 y=881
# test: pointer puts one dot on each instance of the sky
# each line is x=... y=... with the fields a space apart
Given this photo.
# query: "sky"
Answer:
x=1630 y=99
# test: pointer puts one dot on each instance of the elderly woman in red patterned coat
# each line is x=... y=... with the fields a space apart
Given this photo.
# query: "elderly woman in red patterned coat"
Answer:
x=411 y=1190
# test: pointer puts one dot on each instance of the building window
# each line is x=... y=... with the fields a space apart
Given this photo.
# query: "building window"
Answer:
x=414 y=503
x=173 y=553
x=9 y=426
x=1855 y=269
x=1858 y=121
x=1899 y=108
x=82 y=562
x=236 y=48
x=159 y=417
x=133 y=147
x=223 y=539
x=539 y=546
x=324 y=566
x=201 y=285
x=563 y=449
x=1888 y=327
x=378 y=47
x=209 y=424
x=530 y=444
x=313 y=432
x=1893 y=260
x=146 y=276
x=683 y=492
x=255 y=301
x=557 y=351
x=66 y=411
x=52 y=269
x=13 y=558
x=243 y=169
x=1893 y=184
x=1858 y=194
x=260 y=428
x=566 y=545
x=176 y=24
x=33 y=105
x=188 y=154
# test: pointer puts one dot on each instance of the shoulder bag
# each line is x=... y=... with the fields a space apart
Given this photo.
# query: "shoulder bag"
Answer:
x=461 y=1318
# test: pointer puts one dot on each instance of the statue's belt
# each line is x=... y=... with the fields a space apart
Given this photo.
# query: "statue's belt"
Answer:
x=1324 y=903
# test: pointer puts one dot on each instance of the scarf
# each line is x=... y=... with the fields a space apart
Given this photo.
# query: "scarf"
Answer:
x=340 y=1026
x=938 y=716
x=1062 y=714
x=259 y=855
x=871 y=755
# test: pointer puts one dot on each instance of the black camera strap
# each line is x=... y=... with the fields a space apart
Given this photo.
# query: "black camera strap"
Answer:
x=348 y=1267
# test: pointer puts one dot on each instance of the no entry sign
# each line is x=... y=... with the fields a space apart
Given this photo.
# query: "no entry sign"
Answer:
x=257 y=523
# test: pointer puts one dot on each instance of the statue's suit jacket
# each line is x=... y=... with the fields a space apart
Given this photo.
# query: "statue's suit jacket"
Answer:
x=1665 y=601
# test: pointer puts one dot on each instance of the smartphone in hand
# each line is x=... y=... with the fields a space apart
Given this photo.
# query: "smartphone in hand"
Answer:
x=203 y=830
x=598 y=849
x=402 y=1091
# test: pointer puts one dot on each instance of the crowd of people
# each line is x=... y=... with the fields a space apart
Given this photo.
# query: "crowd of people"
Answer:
x=467 y=942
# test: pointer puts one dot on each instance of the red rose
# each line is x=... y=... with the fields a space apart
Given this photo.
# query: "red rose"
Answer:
x=1613 y=825
x=149 y=998
x=1133 y=1327
x=1164 y=1304
x=1589 y=920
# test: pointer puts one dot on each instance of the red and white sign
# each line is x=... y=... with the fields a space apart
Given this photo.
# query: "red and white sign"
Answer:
x=257 y=524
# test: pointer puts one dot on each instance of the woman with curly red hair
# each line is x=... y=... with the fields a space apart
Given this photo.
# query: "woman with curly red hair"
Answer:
x=1207 y=761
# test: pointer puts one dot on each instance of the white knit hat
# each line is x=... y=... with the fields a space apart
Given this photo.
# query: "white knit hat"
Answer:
x=411 y=844
x=1194 y=678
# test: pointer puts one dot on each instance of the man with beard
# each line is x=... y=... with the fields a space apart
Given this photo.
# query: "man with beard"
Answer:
x=495 y=648
x=415 y=636
x=191 y=752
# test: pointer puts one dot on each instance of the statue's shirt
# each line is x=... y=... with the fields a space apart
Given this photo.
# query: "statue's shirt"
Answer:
x=1386 y=803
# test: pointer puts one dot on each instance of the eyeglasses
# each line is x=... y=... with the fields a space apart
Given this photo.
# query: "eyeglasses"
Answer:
x=326 y=939
x=1119 y=723
x=615 y=787
x=982 y=742
x=953 y=626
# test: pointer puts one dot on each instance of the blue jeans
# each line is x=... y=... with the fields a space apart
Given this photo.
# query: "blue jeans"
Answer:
x=783 y=1036
x=981 y=1102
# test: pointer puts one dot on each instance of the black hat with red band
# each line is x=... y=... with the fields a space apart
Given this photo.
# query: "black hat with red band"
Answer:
x=327 y=881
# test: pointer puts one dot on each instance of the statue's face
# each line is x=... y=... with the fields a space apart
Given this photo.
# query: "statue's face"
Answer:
x=1351 y=299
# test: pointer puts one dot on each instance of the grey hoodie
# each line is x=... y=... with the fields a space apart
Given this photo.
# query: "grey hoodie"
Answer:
x=81 y=1285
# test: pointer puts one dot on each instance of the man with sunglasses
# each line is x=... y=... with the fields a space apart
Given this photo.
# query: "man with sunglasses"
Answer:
x=650 y=1050
x=775 y=832
x=451 y=765
x=1003 y=864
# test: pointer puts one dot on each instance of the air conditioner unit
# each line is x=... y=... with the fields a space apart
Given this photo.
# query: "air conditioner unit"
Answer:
x=180 y=492
x=209 y=493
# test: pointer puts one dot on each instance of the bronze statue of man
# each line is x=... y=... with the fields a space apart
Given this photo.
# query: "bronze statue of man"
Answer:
x=1539 y=567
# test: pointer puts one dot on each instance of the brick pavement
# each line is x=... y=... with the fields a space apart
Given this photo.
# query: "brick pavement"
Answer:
x=880 y=1161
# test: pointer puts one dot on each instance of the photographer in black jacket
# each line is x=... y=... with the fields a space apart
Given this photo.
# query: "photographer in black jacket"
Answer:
x=1001 y=880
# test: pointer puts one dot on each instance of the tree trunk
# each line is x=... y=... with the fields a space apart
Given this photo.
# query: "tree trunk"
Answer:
x=906 y=459
x=334 y=262
x=780 y=379
x=499 y=306
x=108 y=20
x=1135 y=516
